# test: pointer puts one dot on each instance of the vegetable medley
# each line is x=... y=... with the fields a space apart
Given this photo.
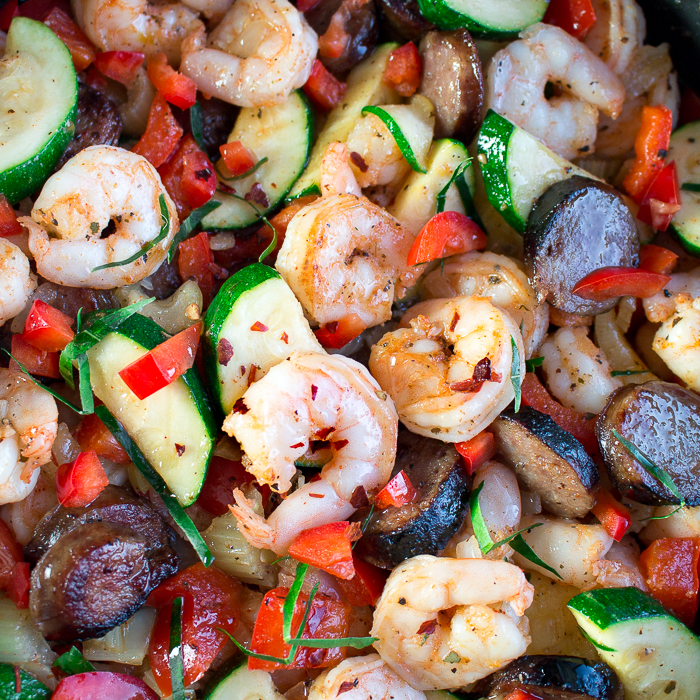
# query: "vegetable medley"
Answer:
x=349 y=348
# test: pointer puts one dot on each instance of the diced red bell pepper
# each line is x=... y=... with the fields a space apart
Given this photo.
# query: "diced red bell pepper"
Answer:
x=9 y=226
x=366 y=586
x=662 y=200
x=47 y=328
x=651 y=148
x=610 y=282
x=94 y=436
x=398 y=492
x=194 y=261
x=164 y=364
x=121 y=66
x=337 y=334
x=80 y=482
x=574 y=422
x=574 y=16
x=657 y=259
x=175 y=87
x=329 y=619
x=447 y=233
x=237 y=158
x=328 y=547
x=198 y=182
x=690 y=107
x=162 y=135
x=95 y=79
x=211 y=603
x=223 y=476
x=613 y=515
x=403 y=70
x=82 y=50
x=18 y=588
x=323 y=89
x=671 y=569
x=10 y=554
x=104 y=685
x=306 y=5
x=40 y=362
x=520 y=694
x=477 y=451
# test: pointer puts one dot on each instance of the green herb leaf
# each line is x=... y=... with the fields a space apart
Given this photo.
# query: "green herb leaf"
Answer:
x=690 y=187
x=197 y=125
x=627 y=372
x=442 y=194
x=73 y=662
x=291 y=600
x=532 y=363
x=164 y=229
x=273 y=243
x=354 y=642
x=597 y=645
x=177 y=672
x=663 y=517
x=190 y=224
x=524 y=550
x=452 y=658
x=516 y=378
x=657 y=472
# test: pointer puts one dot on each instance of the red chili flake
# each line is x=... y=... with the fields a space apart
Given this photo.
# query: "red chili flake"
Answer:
x=240 y=407
x=226 y=189
x=257 y=195
x=482 y=373
x=259 y=327
x=294 y=447
x=285 y=338
x=219 y=272
x=353 y=532
x=358 y=161
x=454 y=322
x=242 y=370
x=323 y=434
x=203 y=174
x=316 y=657
x=339 y=444
x=359 y=498
x=316 y=495
x=18 y=681
x=224 y=351
x=180 y=449
x=252 y=373
x=346 y=686
x=314 y=391
x=428 y=627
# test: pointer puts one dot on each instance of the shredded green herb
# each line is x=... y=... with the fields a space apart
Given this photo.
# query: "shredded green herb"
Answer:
x=516 y=378
x=627 y=372
x=533 y=363
x=197 y=125
x=691 y=186
x=73 y=662
x=190 y=224
x=177 y=672
x=442 y=194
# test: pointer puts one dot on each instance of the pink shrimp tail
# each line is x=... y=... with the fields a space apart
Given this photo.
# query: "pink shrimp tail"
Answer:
x=253 y=526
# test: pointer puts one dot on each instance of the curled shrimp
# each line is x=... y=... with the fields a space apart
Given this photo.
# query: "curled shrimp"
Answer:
x=501 y=280
x=444 y=623
x=312 y=396
x=449 y=371
x=101 y=184
x=29 y=426
x=256 y=56
x=545 y=54
x=16 y=280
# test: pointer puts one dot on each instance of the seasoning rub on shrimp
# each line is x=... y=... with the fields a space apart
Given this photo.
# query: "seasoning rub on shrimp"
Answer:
x=16 y=280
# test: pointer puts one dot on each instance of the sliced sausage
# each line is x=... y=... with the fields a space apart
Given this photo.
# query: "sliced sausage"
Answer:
x=69 y=300
x=404 y=20
x=453 y=81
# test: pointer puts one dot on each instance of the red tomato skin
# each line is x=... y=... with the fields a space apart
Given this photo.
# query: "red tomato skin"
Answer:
x=47 y=328
x=477 y=451
x=323 y=89
x=10 y=554
x=613 y=515
x=326 y=547
x=610 y=282
x=447 y=233
x=574 y=16
x=222 y=477
x=403 y=70
x=40 y=362
x=366 y=586
x=9 y=226
x=398 y=492
x=162 y=134
x=82 y=50
x=663 y=192
x=657 y=259
x=237 y=158
x=103 y=685
x=80 y=482
x=519 y=694
x=121 y=66
x=175 y=87
x=93 y=435
x=194 y=261
x=18 y=588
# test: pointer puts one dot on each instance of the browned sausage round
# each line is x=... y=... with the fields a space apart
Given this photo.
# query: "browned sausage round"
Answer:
x=404 y=20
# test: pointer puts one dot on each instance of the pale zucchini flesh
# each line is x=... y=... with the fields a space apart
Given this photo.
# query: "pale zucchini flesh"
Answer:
x=244 y=684
x=685 y=151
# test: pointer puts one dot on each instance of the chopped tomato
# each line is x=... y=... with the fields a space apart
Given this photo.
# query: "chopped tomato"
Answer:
x=323 y=89
x=237 y=158
x=574 y=16
x=477 y=451
x=82 y=50
x=329 y=619
x=10 y=554
x=657 y=259
x=670 y=566
x=328 y=547
x=574 y=422
x=403 y=70
x=651 y=148
x=47 y=328
x=94 y=436
x=610 y=282
x=80 y=482
x=164 y=364
x=194 y=261
x=223 y=476
x=121 y=66
x=306 y=5
x=18 y=588
x=519 y=694
x=337 y=334
x=40 y=362
x=613 y=515
x=211 y=603
x=162 y=133
x=690 y=107
x=366 y=586
x=398 y=492
x=9 y=226
x=175 y=87
x=447 y=233
x=104 y=685
x=662 y=200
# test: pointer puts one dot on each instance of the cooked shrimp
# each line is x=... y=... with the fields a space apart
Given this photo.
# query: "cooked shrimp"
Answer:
x=676 y=522
x=136 y=25
x=309 y=397
x=29 y=423
x=336 y=174
x=213 y=10
x=256 y=56
x=444 y=623
x=101 y=184
x=519 y=73
x=23 y=516
x=368 y=677
x=577 y=372
x=620 y=567
x=501 y=280
x=449 y=371
x=17 y=283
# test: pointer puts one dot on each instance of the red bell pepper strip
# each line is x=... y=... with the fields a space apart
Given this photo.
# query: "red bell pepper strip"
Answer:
x=18 y=588
x=403 y=70
x=94 y=436
x=104 y=685
x=164 y=364
x=10 y=554
x=121 y=66
x=195 y=258
x=82 y=50
x=447 y=233
x=47 y=328
x=162 y=134
x=477 y=451
x=610 y=282
x=662 y=200
x=237 y=158
x=328 y=547
x=40 y=362
x=80 y=482
x=337 y=334
x=613 y=515
x=172 y=175
x=574 y=16
x=323 y=89
x=671 y=569
x=9 y=226
x=651 y=148
x=329 y=619
x=223 y=475
x=175 y=87
x=657 y=259
x=520 y=694
x=366 y=586
x=198 y=182
x=398 y=492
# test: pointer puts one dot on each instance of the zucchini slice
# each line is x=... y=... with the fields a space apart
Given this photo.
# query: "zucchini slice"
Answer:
x=282 y=134
x=685 y=150
x=653 y=654
x=366 y=86
x=243 y=684
x=38 y=79
x=175 y=427
x=254 y=321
